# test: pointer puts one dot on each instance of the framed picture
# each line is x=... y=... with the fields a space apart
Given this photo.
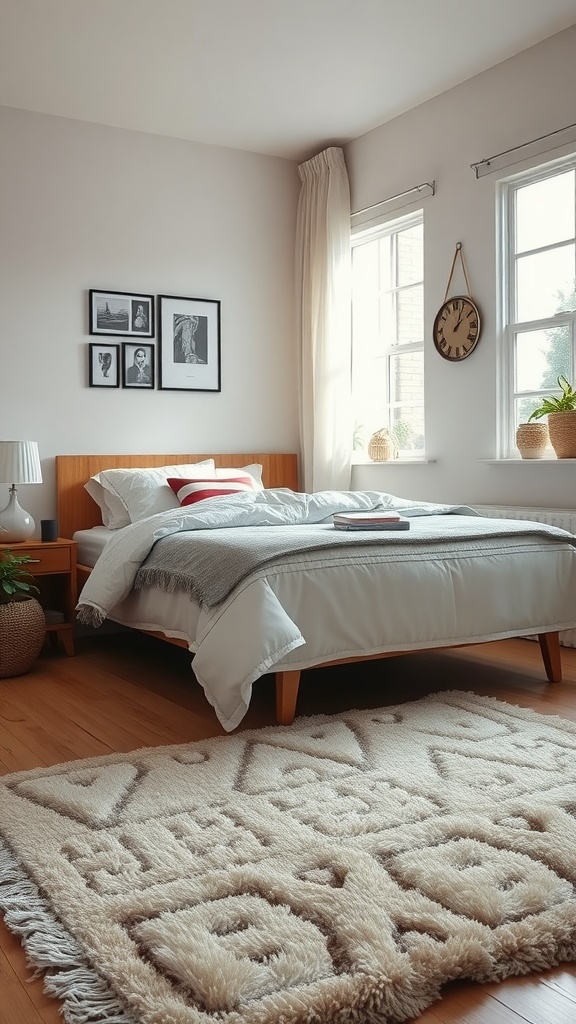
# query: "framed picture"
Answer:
x=103 y=366
x=121 y=313
x=137 y=365
x=189 y=339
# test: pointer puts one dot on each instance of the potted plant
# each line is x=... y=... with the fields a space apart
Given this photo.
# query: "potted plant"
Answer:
x=22 y=622
x=561 y=413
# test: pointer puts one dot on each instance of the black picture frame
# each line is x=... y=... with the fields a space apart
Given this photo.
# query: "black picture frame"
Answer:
x=124 y=314
x=189 y=343
x=141 y=377
x=103 y=365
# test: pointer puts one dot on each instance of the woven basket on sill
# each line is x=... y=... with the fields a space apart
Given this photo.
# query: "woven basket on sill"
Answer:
x=381 y=446
x=22 y=633
x=562 y=430
x=532 y=440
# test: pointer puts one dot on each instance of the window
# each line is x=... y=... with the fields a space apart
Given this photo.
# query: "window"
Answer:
x=388 y=334
x=538 y=217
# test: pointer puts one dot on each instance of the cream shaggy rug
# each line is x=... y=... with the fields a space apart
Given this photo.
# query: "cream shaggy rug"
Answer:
x=339 y=869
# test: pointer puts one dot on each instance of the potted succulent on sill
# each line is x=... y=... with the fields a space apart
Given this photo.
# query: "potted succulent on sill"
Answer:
x=22 y=622
x=561 y=413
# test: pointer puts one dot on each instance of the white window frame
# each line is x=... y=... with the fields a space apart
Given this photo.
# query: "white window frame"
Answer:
x=360 y=236
x=506 y=300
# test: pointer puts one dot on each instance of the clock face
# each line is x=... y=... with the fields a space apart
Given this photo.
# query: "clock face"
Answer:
x=456 y=328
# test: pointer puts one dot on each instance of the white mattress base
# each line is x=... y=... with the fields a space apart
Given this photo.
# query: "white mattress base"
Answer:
x=91 y=543
x=304 y=614
x=153 y=610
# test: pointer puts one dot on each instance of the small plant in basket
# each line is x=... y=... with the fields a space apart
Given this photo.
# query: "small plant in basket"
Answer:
x=16 y=583
x=22 y=622
x=561 y=413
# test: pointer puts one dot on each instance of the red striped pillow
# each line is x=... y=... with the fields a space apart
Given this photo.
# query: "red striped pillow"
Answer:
x=190 y=491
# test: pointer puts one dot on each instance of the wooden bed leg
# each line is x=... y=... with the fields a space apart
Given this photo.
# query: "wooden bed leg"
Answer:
x=287 y=684
x=550 y=649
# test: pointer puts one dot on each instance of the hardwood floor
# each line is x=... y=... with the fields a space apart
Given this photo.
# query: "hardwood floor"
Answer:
x=124 y=690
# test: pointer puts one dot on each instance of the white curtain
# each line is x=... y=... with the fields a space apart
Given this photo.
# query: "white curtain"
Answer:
x=323 y=282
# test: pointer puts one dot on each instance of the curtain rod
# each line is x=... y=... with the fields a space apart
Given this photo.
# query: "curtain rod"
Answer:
x=400 y=195
x=485 y=166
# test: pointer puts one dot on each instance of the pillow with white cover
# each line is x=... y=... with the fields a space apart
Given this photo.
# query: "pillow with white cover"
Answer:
x=128 y=495
x=188 y=492
x=113 y=513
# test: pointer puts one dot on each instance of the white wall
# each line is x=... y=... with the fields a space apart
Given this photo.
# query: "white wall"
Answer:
x=85 y=206
x=517 y=101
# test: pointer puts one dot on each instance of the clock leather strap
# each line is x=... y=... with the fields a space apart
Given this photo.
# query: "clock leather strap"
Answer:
x=458 y=251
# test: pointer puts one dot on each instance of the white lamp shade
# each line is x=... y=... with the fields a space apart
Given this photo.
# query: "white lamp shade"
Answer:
x=20 y=462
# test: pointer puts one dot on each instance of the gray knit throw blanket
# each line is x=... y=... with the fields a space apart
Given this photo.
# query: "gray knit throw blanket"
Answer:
x=208 y=564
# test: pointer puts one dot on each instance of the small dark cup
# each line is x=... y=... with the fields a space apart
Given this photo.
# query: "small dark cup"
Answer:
x=49 y=529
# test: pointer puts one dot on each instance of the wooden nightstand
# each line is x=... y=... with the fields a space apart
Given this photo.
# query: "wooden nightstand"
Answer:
x=54 y=569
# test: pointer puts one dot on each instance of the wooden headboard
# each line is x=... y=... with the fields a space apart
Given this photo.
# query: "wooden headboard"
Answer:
x=77 y=511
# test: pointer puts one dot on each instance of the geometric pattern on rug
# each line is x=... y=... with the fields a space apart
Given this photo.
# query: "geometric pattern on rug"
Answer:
x=339 y=869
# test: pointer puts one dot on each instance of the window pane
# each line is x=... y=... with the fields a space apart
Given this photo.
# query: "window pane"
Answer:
x=365 y=325
x=523 y=408
x=387 y=326
x=385 y=263
x=410 y=255
x=365 y=267
x=540 y=290
x=408 y=428
x=407 y=378
x=387 y=311
x=545 y=212
x=541 y=356
x=410 y=318
x=365 y=311
x=370 y=409
x=544 y=282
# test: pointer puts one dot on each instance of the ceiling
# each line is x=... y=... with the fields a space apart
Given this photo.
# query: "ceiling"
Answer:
x=282 y=77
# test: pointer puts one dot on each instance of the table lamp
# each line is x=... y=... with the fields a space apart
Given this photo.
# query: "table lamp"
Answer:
x=19 y=464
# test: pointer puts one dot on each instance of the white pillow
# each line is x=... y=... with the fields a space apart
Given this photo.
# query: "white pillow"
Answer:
x=255 y=471
x=114 y=513
x=129 y=495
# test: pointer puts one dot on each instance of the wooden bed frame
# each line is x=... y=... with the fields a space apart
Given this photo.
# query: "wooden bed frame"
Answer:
x=77 y=511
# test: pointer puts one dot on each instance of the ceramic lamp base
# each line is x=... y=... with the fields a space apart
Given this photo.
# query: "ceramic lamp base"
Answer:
x=16 y=525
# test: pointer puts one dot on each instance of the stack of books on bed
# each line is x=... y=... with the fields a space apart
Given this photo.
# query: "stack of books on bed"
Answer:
x=370 y=521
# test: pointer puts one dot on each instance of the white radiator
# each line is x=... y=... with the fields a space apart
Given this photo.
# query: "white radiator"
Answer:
x=565 y=518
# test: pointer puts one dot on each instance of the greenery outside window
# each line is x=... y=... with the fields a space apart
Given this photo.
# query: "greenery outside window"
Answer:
x=538 y=242
x=388 y=334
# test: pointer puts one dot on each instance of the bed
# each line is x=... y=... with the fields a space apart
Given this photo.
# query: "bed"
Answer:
x=317 y=607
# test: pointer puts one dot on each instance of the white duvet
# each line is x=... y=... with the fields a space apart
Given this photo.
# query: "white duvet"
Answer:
x=316 y=606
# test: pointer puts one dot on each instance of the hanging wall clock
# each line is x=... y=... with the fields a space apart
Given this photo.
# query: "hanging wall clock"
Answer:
x=457 y=324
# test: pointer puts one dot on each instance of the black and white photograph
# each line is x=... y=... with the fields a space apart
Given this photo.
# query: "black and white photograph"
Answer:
x=121 y=313
x=137 y=365
x=189 y=341
x=103 y=366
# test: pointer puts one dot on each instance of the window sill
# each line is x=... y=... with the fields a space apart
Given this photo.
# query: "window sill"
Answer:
x=526 y=462
x=364 y=460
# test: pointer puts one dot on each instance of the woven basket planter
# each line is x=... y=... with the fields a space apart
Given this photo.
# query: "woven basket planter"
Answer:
x=562 y=430
x=381 y=446
x=22 y=633
x=532 y=440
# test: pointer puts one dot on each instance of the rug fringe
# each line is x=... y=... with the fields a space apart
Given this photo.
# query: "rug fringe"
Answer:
x=52 y=951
